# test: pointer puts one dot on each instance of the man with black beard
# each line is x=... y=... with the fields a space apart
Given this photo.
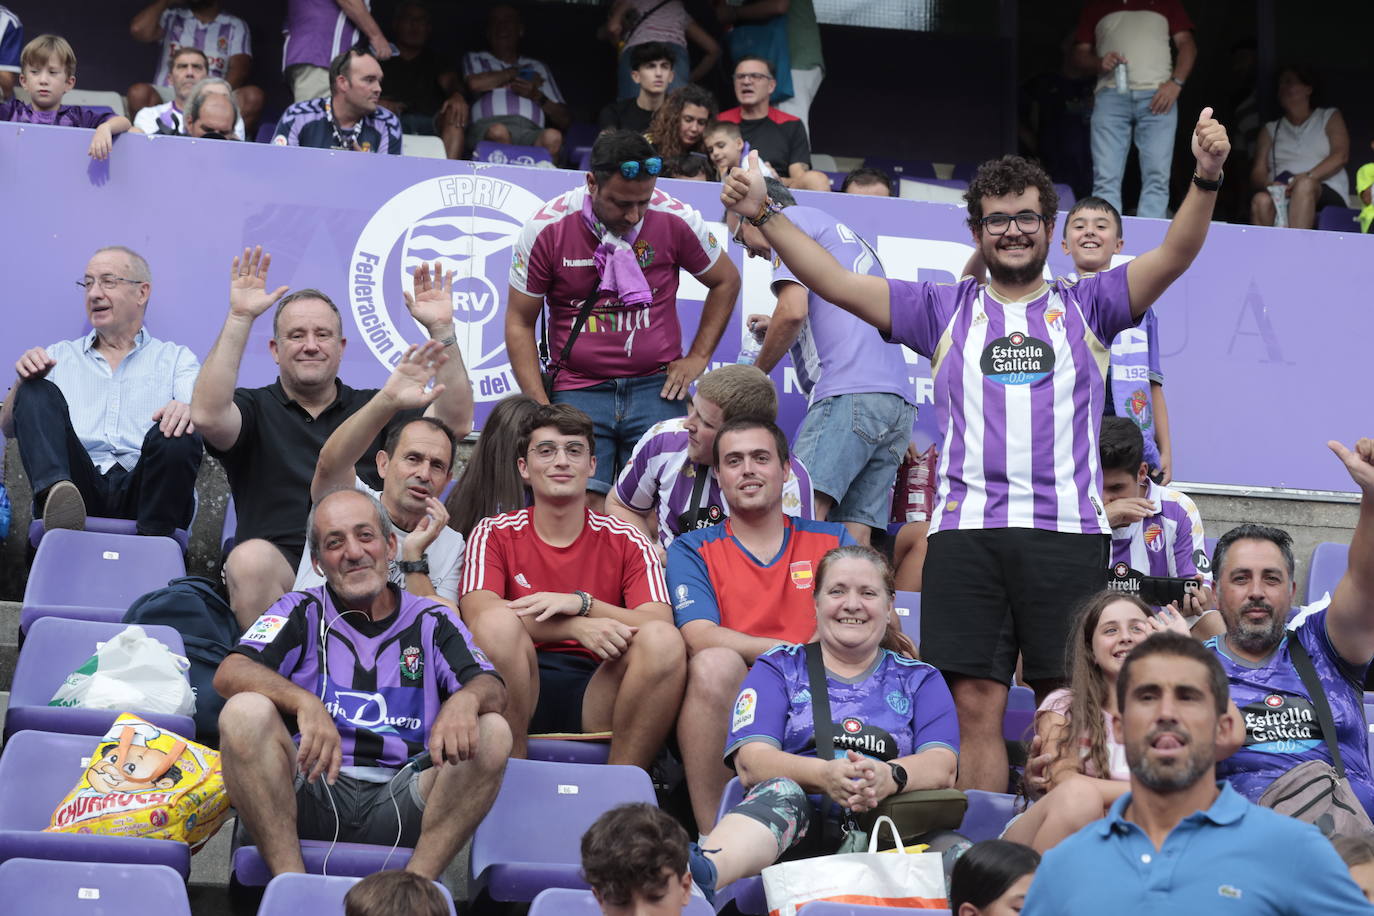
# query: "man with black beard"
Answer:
x=1253 y=566
x=1181 y=841
x=1019 y=533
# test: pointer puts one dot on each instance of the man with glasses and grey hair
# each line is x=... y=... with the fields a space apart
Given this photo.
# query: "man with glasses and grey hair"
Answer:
x=269 y=438
x=104 y=421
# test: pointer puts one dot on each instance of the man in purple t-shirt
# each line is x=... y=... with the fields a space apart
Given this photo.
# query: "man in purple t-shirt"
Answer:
x=1253 y=565
x=861 y=402
x=369 y=677
x=606 y=258
x=1019 y=532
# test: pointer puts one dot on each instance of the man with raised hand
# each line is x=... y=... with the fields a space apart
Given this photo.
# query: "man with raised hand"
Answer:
x=269 y=438
x=1019 y=532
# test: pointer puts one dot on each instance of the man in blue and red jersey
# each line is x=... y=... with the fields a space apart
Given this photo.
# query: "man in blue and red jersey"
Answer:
x=369 y=676
x=739 y=589
x=571 y=603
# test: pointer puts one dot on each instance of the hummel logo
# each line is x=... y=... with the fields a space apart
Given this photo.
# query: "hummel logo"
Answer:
x=579 y=262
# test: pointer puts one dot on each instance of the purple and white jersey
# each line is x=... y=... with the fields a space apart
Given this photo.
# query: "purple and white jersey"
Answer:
x=502 y=100
x=1281 y=727
x=1134 y=364
x=382 y=681
x=659 y=475
x=317 y=31
x=220 y=39
x=62 y=116
x=897 y=708
x=836 y=352
x=1019 y=388
x=1168 y=543
x=11 y=41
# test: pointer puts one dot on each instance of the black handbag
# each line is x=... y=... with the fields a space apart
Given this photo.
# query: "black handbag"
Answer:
x=916 y=812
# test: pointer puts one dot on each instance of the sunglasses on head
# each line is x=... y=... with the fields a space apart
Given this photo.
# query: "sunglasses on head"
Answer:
x=632 y=167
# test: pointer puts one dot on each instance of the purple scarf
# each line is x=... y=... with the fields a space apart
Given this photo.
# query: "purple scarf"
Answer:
x=616 y=263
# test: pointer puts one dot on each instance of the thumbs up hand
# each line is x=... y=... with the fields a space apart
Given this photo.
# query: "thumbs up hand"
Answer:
x=1210 y=145
x=742 y=191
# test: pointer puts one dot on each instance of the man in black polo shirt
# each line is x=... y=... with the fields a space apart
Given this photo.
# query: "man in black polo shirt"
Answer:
x=269 y=438
x=779 y=137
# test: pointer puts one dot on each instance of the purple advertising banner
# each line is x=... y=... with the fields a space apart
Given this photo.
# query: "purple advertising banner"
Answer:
x=1261 y=340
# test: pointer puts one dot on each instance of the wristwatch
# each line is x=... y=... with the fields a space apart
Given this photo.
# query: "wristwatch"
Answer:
x=1208 y=184
x=1176 y=81
x=898 y=775
x=414 y=566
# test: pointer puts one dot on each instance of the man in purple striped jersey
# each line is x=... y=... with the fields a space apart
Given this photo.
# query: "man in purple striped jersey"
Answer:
x=515 y=97
x=1019 y=533
x=369 y=677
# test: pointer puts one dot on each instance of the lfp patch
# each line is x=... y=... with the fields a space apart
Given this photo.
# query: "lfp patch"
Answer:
x=265 y=629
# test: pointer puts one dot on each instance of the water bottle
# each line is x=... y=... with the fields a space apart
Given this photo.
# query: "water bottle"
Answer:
x=1279 y=192
x=749 y=348
x=1123 y=83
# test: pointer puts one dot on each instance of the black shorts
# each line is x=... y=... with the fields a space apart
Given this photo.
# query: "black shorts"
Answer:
x=988 y=595
x=364 y=810
x=563 y=679
x=1330 y=197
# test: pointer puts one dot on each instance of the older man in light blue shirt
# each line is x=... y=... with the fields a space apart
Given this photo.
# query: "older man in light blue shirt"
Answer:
x=103 y=421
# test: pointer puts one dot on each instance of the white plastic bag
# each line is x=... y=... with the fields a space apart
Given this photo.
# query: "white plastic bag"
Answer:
x=889 y=879
x=131 y=672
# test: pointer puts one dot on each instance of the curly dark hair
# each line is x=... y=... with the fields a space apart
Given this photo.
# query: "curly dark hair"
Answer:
x=628 y=848
x=665 y=130
x=1009 y=175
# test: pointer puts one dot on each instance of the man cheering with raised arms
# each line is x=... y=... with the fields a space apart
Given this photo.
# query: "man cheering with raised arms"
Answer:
x=1018 y=532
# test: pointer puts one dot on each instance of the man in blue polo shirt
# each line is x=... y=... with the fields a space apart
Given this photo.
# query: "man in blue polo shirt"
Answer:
x=1180 y=841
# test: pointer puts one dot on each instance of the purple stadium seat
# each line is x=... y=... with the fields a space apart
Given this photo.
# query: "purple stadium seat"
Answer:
x=568 y=750
x=964 y=170
x=265 y=131
x=92 y=576
x=36 y=771
x=353 y=860
x=901 y=168
x=746 y=893
x=579 y=140
x=316 y=895
x=907 y=607
x=54 y=648
x=1329 y=561
x=564 y=901
x=1066 y=196
x=530 y=840
x=507 y=154
x=836 y=179
x=830 y=908
x=229 y=529
x=987 y=814
x=1338 y=219
x=104 y=526
x=1020 y=715
x=94 y=888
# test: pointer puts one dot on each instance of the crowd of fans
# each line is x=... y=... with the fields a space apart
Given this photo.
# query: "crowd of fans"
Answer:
x=636 y=549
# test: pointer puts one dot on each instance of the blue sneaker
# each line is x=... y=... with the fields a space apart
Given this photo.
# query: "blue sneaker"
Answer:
x=703 y=872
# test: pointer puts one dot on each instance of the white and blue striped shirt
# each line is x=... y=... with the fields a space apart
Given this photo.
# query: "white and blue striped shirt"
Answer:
x=112 y=411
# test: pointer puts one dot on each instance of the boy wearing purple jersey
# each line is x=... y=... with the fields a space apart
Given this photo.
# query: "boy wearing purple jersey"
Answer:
x=1253 y=565
x=48 y=72
x=861 y=401
x=369 y=677
x=1019 y=531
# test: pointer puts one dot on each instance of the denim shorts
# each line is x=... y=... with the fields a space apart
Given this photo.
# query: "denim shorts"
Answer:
x=851 y=445
x=622 y=409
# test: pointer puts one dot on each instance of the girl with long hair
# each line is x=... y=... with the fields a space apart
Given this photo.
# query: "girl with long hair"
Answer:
x=680 y=122
x=491 y=482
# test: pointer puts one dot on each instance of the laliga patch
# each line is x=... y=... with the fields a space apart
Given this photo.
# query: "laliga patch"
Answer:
x=802 y=576
x=265 y=629
x=412 y=663
x=745 y=707
x=1017 y=360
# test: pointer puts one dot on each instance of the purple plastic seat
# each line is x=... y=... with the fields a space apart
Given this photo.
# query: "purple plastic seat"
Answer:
x=94 y=888
x=579 y=140
x=1066 y=196
x=265 y=131
x=229 y=529
x=907 y=607
x=103 y=526
x=1338 y=219
x=508 y=154
x=1329 y=561
x=564 y=901
x=352 y=860
x=564 y=750
x=830 y=908
x=316 y=895
x=987 y=814
x=1020 y=715
x=746 y=893
x=531 y=838
x=36 y=771
x=91 y=576
x=901 y=168
x=54 y=648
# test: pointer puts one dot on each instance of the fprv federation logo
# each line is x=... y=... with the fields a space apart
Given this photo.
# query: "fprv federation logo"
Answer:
x=468 y=224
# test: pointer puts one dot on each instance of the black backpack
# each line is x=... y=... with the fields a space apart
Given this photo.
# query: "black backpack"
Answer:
x=193 y=606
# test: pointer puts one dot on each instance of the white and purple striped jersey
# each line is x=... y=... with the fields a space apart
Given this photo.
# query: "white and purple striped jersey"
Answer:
x=316 y=31
x=660 y=476
x=1019 y=390
x=220 y=39
x=1168 y=543
x=502 y=100
x=11 y=41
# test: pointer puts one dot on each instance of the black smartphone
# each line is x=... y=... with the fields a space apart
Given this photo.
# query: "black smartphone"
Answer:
x=1157 y=591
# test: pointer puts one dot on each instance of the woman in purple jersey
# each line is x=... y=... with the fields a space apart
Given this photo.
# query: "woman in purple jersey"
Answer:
x=895 y=732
